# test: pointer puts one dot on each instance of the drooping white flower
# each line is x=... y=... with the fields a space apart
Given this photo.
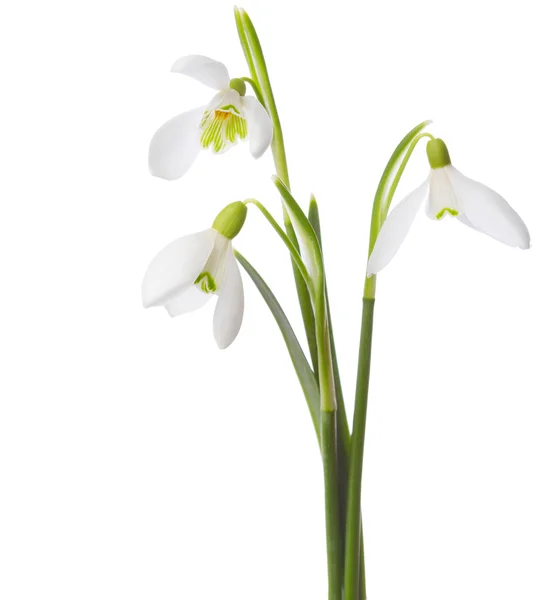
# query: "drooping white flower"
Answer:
x=190 y=270
x=448 y=192
x=229 y=117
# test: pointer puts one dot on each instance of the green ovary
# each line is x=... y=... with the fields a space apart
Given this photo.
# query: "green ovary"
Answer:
x=221 y=128
x=442 y=213
x=206 y=282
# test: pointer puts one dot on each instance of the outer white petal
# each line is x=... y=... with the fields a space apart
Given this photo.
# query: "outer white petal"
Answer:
x=260 y=127
x=488 y=212
x=189 y=300
x=176 y=267
x=206 y=70
x=395 y=229
x=175 y=145
x=230 y=306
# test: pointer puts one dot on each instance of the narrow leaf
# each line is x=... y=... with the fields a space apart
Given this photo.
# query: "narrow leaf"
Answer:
x=300 y=363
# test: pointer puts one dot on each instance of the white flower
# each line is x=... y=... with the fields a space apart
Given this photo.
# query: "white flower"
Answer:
x=448 y=192
x=229 y=117
x=185 y=274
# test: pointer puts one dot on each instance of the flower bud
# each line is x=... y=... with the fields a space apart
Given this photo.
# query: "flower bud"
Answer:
x=238 y=85
x=438 y=155
x=230 y=220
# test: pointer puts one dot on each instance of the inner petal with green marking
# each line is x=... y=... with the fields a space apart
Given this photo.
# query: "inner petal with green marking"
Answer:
x=442 y=198
x=206 y=283
x=211 y=277
x=222 y=127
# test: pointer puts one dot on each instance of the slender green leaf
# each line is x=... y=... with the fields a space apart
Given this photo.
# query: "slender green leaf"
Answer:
x=300 y=363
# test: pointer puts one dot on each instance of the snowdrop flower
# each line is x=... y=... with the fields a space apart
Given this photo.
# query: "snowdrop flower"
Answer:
x=448 y=192
x=190 y=270
x=229 y=117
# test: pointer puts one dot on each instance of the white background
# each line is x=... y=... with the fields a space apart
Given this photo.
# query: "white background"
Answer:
x=137 y=461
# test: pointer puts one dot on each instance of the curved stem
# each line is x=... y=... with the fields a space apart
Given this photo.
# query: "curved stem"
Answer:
x=296 y=257
x=380 y=199
x=401 y=169
x=256 y=89
x=386 y=190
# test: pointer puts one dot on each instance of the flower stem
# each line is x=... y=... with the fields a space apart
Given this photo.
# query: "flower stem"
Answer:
x=295 y=255
x=400 y=171
x=330 y=459
x=332 y=514
x=255 y=87
x=258 y=68
x=353 y=578
x=354 y=571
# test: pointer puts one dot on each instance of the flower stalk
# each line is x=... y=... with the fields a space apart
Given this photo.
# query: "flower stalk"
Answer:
x=354 y=571
x=253 y=52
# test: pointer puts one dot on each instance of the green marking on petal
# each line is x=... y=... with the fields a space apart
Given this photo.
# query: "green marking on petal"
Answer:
x=207 y=283
x=442 y=213
x=221 y=128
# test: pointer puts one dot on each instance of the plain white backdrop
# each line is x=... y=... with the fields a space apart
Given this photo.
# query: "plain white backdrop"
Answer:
x=137 y=461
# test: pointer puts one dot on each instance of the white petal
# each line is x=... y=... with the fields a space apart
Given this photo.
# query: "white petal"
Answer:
x=488 y=212
x=230 y=306
x=176 y=267
x=395 y=229
x=260 y=127
x=189 y=300
x=175 y=145
x=208 y=71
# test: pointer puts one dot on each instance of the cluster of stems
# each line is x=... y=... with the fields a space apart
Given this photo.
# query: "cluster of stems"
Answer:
x=341 y=447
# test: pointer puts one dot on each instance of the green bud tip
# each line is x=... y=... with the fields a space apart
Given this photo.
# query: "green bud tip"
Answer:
x=438 y=155
x=230 y=220
x=238 y=85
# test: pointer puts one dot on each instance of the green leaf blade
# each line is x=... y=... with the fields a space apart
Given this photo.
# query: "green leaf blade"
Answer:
x=302 y=368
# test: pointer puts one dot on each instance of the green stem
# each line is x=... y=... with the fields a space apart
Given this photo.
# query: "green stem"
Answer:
x=399 y=173
x=296 y=257
x=258 y=68
x=384 y=192
x=333 y=525
x=255 y=87
x=354 y=553
x=328 y=434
